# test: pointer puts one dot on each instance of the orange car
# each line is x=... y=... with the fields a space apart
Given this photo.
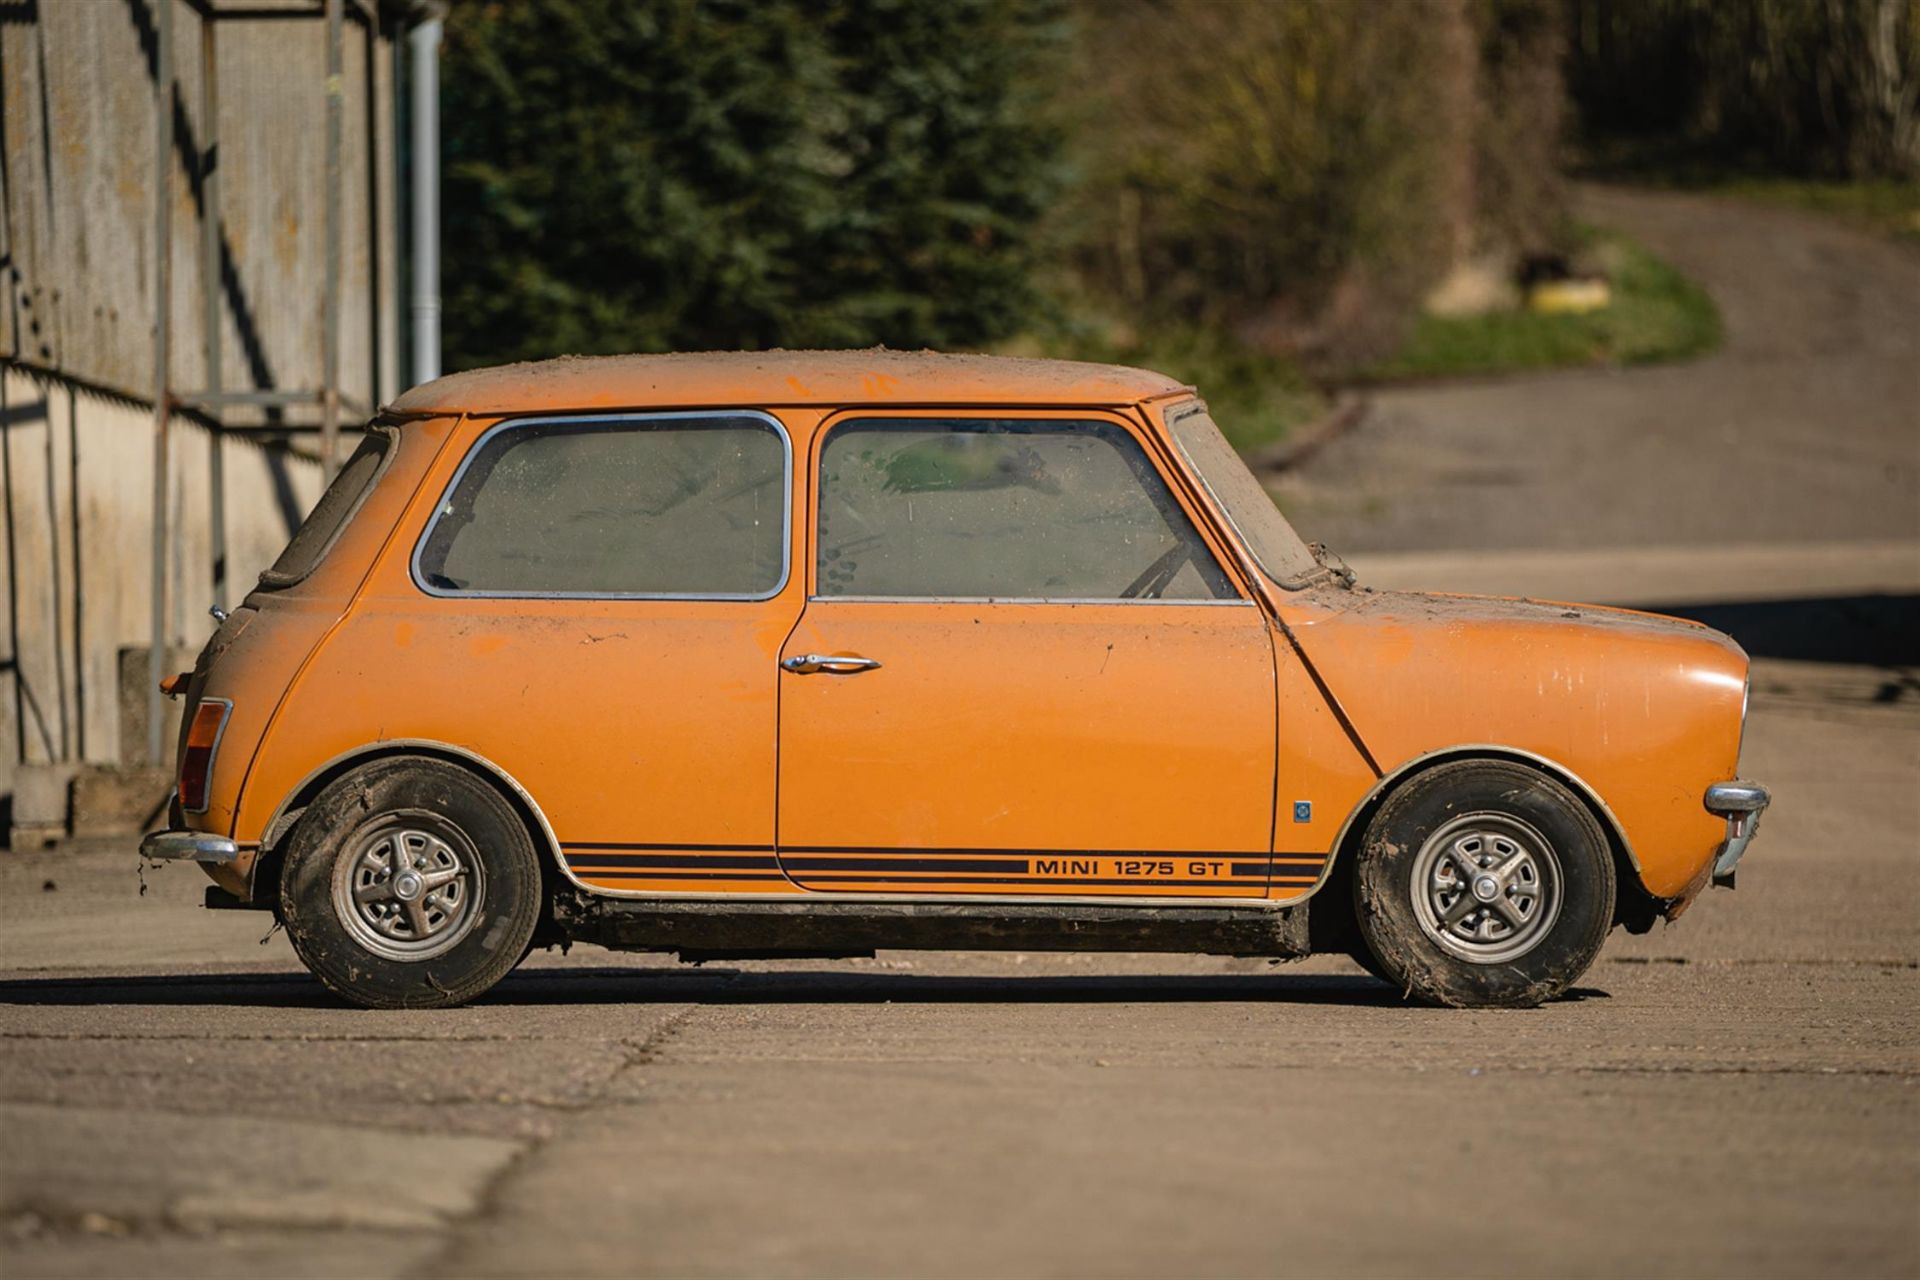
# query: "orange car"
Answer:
x=797 y=654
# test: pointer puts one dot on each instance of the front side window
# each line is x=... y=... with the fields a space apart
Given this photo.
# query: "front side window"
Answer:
x=676 y=505
x=1003 y=509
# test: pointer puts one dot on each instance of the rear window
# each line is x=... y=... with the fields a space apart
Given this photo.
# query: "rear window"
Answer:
x=676 y=505
x=335 y=510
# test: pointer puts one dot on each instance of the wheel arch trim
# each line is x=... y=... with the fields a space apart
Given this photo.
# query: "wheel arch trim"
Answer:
x=1609 y=821
x=296 y=800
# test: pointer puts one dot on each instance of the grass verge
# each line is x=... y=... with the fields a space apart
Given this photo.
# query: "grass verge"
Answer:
x=1884 y=206
x=1656 y=314
x=1888 y=206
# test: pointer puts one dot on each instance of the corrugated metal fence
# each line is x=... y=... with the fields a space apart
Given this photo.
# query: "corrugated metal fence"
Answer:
x=280 y=224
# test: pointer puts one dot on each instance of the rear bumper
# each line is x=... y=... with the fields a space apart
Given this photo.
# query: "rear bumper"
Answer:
x=188 y=846
x=1741 y=804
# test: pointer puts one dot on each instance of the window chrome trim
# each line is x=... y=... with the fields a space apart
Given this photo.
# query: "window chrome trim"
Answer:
x=440 y=508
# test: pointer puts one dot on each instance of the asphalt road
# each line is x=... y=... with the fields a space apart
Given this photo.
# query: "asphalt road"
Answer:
x=1732 y=1095
x=1802 y=428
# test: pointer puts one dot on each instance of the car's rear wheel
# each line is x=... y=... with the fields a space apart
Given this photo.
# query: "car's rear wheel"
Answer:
x=1484 y=883
x=410 y=884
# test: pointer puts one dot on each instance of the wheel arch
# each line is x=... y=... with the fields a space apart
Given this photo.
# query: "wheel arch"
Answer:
x=1635 y=907
x=287 y=813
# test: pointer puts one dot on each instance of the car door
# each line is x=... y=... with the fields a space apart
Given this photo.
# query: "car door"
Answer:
x=1021 y=669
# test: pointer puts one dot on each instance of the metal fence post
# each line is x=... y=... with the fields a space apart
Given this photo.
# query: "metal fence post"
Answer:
x=210 y=298
x=330 y=387
x=162 y=393
x=424 y=42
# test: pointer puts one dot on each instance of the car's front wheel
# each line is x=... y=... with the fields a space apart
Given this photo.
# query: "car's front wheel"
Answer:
x=410 y=884
x=1484 y=883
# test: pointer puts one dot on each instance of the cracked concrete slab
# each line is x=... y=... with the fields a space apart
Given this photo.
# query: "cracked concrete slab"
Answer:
x=196 y=1173
x=1005 y=1167
x=48 y=1251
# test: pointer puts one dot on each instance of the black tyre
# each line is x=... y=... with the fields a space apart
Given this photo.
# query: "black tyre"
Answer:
x=410 y=884
x=1484 y=884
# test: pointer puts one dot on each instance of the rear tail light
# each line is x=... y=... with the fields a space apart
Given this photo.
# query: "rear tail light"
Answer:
x=196 y=762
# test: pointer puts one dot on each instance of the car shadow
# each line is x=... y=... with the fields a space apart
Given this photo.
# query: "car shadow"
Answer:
x=722 y=986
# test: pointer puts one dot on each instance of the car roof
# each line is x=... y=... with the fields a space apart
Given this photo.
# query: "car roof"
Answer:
x=747 y=379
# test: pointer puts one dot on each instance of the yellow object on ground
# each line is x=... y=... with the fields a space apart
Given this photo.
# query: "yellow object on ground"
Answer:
x=1571 y=297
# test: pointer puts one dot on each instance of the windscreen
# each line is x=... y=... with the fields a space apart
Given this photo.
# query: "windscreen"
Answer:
x=1279 y=551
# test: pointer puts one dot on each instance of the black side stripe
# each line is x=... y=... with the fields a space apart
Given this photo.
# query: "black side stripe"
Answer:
x=702 y=848
x=662 y=865
x=1041 y=853
x=970 y=879
x=806 y=864
x=654 y=876
x=763 y=861
x=621 y=852
x=747 y=862
x=856 y=881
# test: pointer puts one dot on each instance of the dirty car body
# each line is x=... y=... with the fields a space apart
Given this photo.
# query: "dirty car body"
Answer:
x=812 y=654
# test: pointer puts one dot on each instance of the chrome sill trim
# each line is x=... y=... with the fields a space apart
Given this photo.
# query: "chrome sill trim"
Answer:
x=188 y=846
x=1081 y=900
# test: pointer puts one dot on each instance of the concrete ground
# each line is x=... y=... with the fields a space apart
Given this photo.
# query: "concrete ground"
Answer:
x=1737 y=1094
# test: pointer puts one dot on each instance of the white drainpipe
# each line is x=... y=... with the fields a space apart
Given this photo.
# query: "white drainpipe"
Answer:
x=424 y=42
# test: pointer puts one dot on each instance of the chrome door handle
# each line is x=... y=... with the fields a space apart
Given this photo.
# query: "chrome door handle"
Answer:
x=806 y=664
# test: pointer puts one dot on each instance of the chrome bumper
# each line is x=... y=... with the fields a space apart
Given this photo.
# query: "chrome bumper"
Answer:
x=188 y=846
x=1741 y=804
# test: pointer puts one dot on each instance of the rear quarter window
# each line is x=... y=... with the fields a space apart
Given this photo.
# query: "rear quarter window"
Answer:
x=672 y=505
x=335 y=510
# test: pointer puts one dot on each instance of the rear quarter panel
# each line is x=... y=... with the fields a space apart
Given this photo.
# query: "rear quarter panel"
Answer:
x=256 y=658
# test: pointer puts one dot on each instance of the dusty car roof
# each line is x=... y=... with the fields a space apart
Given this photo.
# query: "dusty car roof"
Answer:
x=746 y=378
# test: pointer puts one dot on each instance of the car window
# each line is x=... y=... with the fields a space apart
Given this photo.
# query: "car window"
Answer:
x=1280 y=552
x=658 y=506
x=1003 y=509
x=335 y=510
